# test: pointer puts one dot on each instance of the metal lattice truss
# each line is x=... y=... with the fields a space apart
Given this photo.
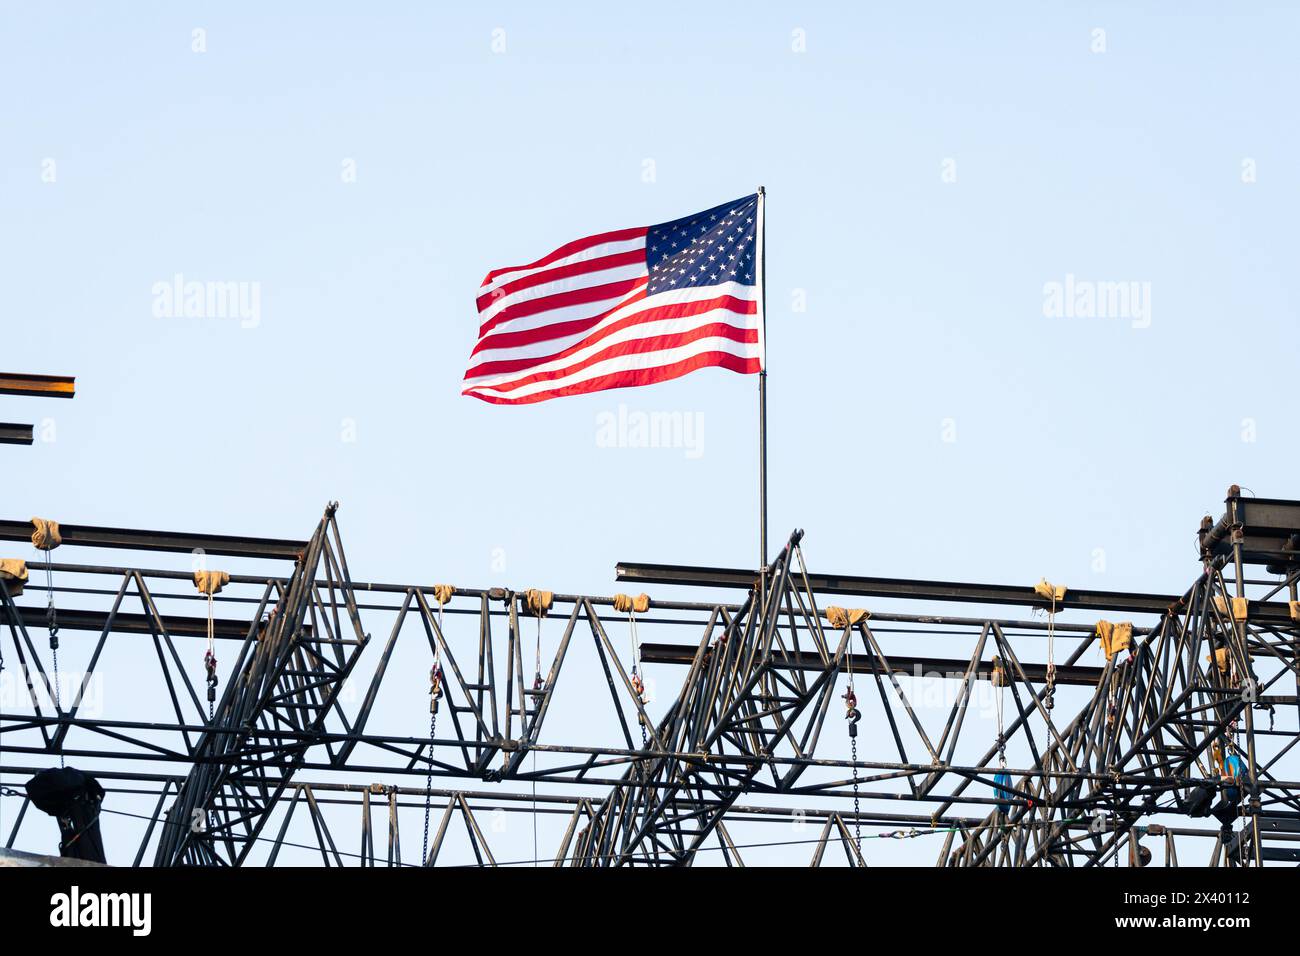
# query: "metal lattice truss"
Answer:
x=1008 y=733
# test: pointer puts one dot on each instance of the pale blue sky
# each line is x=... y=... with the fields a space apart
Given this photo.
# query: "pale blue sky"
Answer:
x=924 y=297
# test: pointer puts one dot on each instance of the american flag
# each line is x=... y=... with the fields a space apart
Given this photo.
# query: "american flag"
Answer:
x=623 y=308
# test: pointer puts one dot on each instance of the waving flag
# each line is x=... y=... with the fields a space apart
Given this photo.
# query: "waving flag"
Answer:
x=630 y=307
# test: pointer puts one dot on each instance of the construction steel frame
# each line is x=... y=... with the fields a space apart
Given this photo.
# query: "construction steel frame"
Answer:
x=753 y=733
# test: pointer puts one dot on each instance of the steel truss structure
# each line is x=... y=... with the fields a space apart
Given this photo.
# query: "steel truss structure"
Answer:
x=1006 y=735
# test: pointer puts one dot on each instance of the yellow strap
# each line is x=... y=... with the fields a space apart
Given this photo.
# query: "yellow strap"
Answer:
x=14 y=571
x=1123 y=637
x=1049 y=591
x=999 y=675
x=1239 y=607
x=1103 y=632
x=211 y=582
x=1114 y=637
x=845 y=616
x=46 y=537
x=624 y=603
x=442 y=593
x=538 y=602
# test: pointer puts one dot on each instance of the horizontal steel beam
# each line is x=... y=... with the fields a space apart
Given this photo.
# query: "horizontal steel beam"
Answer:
x=176 y=541
x=1075 y=598
x=11 y=434
x=47 y=386
x=900 y=588
x=866 y=664
x=76 y=619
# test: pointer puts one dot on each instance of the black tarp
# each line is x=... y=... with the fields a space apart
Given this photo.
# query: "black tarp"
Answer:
x=72 y=797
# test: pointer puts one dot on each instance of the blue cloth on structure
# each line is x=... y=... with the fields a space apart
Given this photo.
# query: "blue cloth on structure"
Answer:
x=1001 y=780
x=1235 y=767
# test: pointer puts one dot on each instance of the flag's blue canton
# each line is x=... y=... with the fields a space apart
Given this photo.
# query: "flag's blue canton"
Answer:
x=709 y=248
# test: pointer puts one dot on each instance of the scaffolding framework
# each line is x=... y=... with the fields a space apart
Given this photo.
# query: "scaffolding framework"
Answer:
x=1172 y=742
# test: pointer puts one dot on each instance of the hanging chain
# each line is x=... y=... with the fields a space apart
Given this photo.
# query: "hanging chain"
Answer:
x=999 y=702
x=428 y=783
x=853 y=715
x=435 y=691
x=52 y=625
x=638 y=685
x=857 y=818
x=1049 y=695
x=210 y=664
x=538 y=684
x=537 y=662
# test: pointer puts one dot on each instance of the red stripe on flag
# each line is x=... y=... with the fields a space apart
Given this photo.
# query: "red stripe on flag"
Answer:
x=656 y=343
x=634 y=377
x=562 y=272
x=562 y=300
x=569 y=248
x=678 y=310
x=544 y=333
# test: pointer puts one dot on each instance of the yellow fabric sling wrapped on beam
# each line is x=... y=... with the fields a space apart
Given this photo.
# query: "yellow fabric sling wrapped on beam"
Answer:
x=846 y=616
x=1049 y=591
x=625 y=603
x=211 y=582
x=1220 y=659
x=1114 y=637
x=46 y=535
x=999 y=675
x=1122 y=639
x=442 y=593
x=538 y=602
x=13 y=571
x=1239 y=607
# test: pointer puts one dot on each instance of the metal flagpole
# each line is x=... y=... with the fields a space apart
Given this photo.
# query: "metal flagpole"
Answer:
x=762 y=403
